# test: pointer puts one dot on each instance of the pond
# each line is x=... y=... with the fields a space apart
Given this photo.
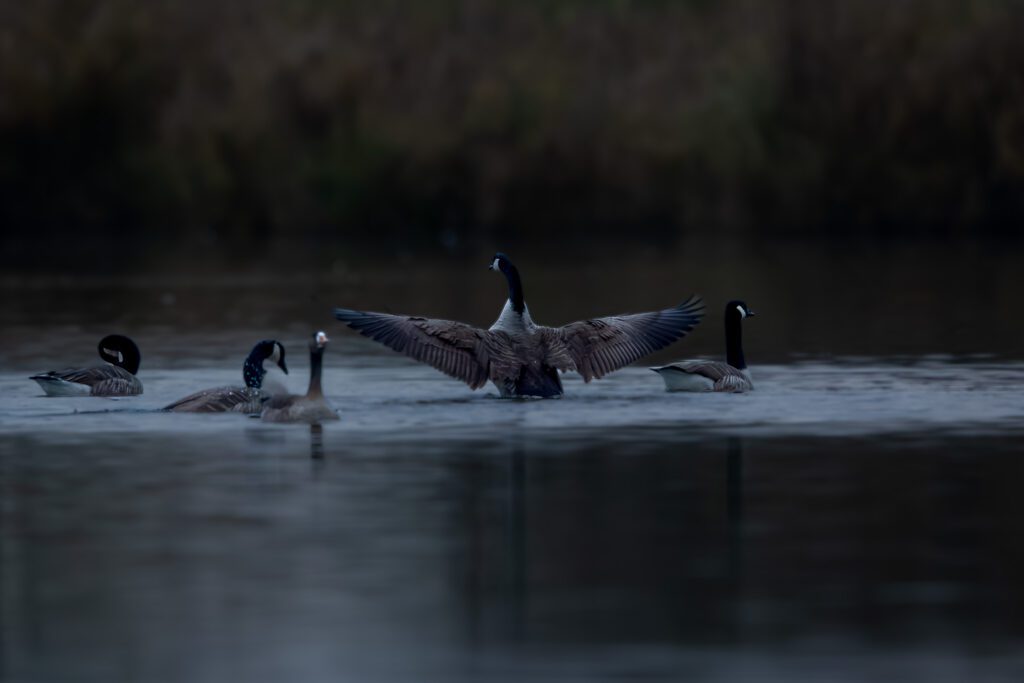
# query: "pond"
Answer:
x=855 y=517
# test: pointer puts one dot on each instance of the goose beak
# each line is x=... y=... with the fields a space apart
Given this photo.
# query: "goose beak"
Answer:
x=284 y=368
x=750 y=313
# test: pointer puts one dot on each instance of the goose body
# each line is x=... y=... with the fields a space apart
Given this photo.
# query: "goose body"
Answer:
x=116 y=377
x=712 y=375
x=312 y=408
x=518 y=356
x=247 y=399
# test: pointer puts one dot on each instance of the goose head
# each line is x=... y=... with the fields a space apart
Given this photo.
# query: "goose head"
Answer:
x=319 y=341
x=121 y=351
x=267 y=349
x=272 y=350
x=738 y=310
x=501 y=263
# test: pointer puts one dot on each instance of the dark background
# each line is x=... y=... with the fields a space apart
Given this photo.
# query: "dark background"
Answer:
x=183 y=136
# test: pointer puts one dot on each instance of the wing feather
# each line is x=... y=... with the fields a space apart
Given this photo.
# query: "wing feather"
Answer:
x=220 y=399
x=103 y=380
x=715 y=370
x=456 y=349
x=598 y=346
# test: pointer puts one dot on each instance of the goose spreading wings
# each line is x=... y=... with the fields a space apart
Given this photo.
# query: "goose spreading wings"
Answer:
x=520 y=357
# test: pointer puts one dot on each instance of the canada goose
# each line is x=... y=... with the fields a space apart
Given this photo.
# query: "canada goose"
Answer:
x=520 y=357
x=247 y=399
x=115 y=378
x=312 y=407
x=713 y=375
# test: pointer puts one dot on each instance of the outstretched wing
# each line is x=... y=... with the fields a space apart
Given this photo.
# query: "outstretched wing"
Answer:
x=596 y=347
x=456 y=349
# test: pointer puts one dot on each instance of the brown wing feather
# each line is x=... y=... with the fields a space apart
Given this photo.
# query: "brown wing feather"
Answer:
x=103 y=380
x=726 y=377
x=118 y=386
x=458 y=350
x=217 y=400
x=596 y=347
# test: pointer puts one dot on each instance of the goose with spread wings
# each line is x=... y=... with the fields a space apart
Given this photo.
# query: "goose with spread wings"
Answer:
x=520 y=357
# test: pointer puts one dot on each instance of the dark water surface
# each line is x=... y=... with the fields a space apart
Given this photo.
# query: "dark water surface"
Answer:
x=855 y=518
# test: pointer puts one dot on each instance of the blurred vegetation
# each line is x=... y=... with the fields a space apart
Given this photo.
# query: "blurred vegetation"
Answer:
x=130 y=131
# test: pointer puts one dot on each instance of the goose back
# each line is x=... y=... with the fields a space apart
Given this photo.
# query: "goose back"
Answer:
x=100 y=380
x=247 y=400
x=705 y=375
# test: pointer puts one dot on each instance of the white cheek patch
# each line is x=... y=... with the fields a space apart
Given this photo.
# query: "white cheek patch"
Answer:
x=321 y=338
x=743 y=313
x=494 y=266
x=276 y=355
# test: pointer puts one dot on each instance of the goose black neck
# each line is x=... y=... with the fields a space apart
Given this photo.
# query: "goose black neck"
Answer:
x=734 y=342
x=316 y=361
x=515 y=288
x=132 y=359
x=253 y=372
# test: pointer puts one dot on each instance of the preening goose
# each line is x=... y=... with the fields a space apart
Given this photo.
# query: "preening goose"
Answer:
x=520 y=357
x=311 y=408
x=712 y=375
x=247 y=399
x=115 y=378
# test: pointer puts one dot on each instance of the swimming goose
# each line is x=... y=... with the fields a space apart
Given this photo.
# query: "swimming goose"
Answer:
x=712 y=375
x=520 y=357
x=247 y=399
x=115 y=378
x=312 y=407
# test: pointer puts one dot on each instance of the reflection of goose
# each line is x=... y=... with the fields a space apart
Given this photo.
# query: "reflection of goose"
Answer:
x=316 y=441
x=711 y=375
x=312 y=407
x=248 y=399
x=519 y=356
x=115 y=378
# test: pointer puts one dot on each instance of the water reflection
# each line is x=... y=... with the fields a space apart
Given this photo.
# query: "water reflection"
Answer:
x=316 y=441
x=500 y=556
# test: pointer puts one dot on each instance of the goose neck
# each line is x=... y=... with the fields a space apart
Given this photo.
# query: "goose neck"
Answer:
x=316 y=358
x=253 y=372
x=734 y=342
x=515 y=288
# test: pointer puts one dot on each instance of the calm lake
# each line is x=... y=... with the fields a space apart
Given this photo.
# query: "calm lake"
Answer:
x=857 y=517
